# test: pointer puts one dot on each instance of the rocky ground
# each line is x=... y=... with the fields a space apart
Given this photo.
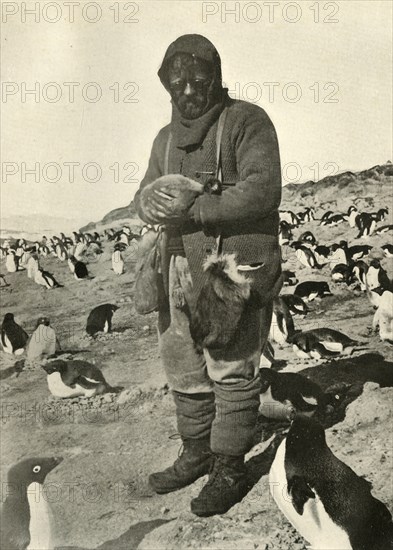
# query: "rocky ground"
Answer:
x=99 y=495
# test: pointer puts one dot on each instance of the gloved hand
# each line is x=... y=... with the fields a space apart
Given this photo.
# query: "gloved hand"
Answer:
x=168 y=198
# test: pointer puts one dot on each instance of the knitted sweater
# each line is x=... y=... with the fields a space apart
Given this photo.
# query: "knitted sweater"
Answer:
x=246 y=213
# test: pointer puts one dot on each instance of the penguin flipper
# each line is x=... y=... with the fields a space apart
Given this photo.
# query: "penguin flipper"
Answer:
x=86 y=383
x=300 y=492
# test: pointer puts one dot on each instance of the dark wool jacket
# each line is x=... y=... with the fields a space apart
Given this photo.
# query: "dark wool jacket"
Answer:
x=246 y=213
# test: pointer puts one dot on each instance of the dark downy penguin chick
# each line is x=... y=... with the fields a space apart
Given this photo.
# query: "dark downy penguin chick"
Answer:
x=283 y=395
x=100 y=319
x=76 y=378
x=220 y=303
x=13 y=337
x=213 y=186
x=309 y=290
x=25 y=520
x=325 y=500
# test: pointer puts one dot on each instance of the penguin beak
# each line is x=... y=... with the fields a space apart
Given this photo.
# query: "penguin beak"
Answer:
x=57 y=460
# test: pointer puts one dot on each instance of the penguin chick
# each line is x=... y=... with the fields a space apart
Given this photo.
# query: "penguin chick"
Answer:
x=221 y=302
x=25 y=521
x=76 y=378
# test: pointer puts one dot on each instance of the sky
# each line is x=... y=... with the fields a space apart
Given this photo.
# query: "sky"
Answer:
x=88 y=129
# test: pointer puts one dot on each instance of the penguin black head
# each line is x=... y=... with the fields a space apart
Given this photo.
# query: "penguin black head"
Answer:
x=114 y=308
x=375 y=263
x=43 y=321
x=55 y=366
x=343 y=244
x=306 y=434
x=8 y=317
x=32 y=470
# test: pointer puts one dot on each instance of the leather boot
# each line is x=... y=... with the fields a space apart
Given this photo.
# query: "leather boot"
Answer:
x=195 y=414
x=193 y=463
x=226 y=487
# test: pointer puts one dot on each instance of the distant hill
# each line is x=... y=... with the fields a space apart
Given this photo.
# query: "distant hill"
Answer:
x=368 y=188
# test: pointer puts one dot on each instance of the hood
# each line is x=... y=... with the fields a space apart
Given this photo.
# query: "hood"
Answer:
x=194 y=44
x=190 y=133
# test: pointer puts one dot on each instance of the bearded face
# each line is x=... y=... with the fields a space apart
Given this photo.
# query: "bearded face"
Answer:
x=189 y=80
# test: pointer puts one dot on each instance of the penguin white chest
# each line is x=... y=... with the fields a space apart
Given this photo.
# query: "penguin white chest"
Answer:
x=302 y=257
x=40 y=533
x=7 y=346
x=59 y=389
x=314 y=524
x=117 y=262
x=372 y=277
x=10 y=264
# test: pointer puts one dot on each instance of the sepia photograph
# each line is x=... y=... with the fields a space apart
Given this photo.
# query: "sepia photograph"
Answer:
x=196 y=275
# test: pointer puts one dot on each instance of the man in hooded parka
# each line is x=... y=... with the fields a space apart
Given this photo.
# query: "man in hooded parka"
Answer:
x=216 y=391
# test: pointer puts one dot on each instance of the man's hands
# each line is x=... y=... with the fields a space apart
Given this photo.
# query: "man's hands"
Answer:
x=167 y=199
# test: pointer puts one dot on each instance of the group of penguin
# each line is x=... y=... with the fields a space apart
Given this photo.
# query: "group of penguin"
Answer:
x=325 y=500
x=65 y=378
x=20 y=256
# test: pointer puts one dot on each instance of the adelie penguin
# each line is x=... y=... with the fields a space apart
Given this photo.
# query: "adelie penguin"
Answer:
x=323 y=498
x=13 y=337
x=285 y=394
x=306 y=257
x=76 y=378
x=388 y=250
x=282 y=325
x=322 y=342
x=377 y=276
x=78 y=268
x=117 y=258
x=46 y=279
x=309 y=290
x=100 y=319
x=25 y=516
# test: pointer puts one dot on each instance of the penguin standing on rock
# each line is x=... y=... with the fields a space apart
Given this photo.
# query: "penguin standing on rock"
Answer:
x=76 y=378
x=325 y=500
x=13 y=337
x=100 y=319
x=25 y=517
